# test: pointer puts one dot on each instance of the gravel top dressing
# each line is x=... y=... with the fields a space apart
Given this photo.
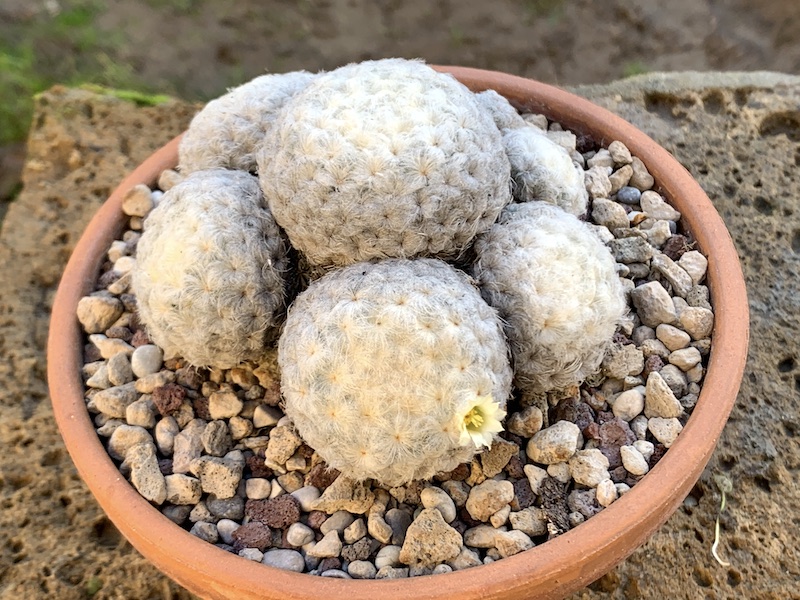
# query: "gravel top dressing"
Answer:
x=497 y=427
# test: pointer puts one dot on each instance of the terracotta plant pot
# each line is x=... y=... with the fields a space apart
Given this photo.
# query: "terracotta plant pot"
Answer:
x=551 y=570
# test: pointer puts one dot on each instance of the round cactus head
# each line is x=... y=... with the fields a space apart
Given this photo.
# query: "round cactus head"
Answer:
x=394 y=370
x=383 y=159
x=555 y=286
x=210 y=272
x=226 y=133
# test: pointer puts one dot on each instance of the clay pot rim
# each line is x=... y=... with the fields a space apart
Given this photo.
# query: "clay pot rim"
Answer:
x=552 y=570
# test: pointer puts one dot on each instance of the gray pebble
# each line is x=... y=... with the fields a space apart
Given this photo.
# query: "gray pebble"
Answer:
x=362 y=569
x=532 y=521
x=187 y=445
x=664 y=430
x=288 y=560
x=178 y=514
x=200 y=512
x=266 y=416
x=225 y=528
x=631 y=250
x=510 y=543
x=442 y=569
x=299 y=534
x=677 y=277
x=392 y=573
x=307 y=497
x=165 y=431
x=336 y=574
x=654 y=206
x=629 y=195
x=653 y=304
x=633 y=461
x=216 y=438
x=388 y=556
x=253 y=554
x=551 y=445
x=697 y=322
x=639 y=427
x=119 y=369
x=113 y=401
x=226 y=508
x=466 y=558
x=399 y=520
x=205 y=531
x=620 y=178
x=338 y=521
x=434 y=497
x=675 y=379
x=147 y=360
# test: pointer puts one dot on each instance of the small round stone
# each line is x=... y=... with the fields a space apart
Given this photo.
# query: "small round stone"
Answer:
x=362 y=569
x=629 y=195
x=288 y=560
x=146 y=360
x=434 y=497
x=299 y=534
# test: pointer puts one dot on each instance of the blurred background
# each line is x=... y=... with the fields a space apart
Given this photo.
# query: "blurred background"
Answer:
x=196 y=49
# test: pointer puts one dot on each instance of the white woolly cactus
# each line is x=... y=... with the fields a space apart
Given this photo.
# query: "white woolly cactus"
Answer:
x=555 y=286
x=210 y=271
x=504 y=115
x=382 y=159
x=543 y=170
x=226 y=133
x=394 y=370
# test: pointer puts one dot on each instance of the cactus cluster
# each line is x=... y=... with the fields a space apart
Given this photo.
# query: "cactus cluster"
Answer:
x=211 y=270
x=385 y=367
x=226 y=133
x=394 y=366
x=556 y=287
x=384 y=159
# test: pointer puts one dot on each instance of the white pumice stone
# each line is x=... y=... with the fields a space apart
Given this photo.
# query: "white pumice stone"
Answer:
x=413 y=149
x=210 y=271
x=543 y=170
x=556 y=289
x=226 y=133
x=380 y=366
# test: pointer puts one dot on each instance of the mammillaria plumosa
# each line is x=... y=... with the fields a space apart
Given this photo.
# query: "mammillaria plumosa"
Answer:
x=394 y=370
x=384 y=159
x=210 y=271
x=543 y=170
x=226 y=133
x=555 y=286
